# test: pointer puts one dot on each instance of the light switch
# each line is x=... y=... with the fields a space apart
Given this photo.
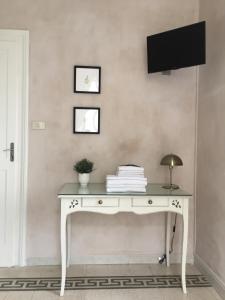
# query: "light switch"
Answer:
x=38 y=125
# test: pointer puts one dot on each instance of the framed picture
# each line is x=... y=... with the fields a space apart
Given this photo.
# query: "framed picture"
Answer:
x=87 y=79
x=86 y=120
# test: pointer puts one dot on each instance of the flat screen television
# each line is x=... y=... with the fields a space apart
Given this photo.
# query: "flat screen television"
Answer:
x=177 y=48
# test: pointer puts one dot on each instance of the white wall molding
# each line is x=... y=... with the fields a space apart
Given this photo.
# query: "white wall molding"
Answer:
x=24 y=149
x=106 y=259
x=216 y=281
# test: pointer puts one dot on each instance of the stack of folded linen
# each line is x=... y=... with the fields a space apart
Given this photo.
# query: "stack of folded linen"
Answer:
x=130 y=171
x=129 y=178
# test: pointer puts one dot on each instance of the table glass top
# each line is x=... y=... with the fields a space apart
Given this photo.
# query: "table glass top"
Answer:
x=153 y=189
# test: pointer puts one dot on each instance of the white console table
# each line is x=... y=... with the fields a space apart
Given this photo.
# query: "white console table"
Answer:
x=94 y=198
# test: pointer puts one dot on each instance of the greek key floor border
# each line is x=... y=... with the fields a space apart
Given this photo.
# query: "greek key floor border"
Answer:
x=101 y=282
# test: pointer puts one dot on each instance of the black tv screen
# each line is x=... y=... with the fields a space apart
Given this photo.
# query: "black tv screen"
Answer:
x=177 y=48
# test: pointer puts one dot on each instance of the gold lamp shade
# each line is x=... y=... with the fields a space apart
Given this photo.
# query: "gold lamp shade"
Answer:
x=171 y=160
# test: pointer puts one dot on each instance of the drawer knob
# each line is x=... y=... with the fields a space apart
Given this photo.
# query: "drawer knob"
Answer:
x=150 y=201
x=100 y=201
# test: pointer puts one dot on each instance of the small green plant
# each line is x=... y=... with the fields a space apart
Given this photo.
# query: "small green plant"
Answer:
x=83 y=166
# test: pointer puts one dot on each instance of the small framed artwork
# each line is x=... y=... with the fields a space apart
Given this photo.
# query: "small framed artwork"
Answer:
x=87 y=79
x=86 y=120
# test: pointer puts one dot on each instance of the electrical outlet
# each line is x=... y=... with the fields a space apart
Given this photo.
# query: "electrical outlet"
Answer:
x=38 y=125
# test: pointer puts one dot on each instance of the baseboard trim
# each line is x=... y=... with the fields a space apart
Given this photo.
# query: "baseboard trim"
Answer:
x=106 y=259
x=216 y=281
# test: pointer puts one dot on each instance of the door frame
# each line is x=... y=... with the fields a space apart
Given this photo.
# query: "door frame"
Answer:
x=22 y=41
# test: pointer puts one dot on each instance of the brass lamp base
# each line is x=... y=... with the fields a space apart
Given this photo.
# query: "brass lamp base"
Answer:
x=171 y=187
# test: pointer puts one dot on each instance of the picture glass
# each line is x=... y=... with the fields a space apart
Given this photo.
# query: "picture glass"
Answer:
x=87 y=80
x=86 y=120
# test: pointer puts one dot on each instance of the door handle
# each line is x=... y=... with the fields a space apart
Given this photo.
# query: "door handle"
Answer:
x=11 y=149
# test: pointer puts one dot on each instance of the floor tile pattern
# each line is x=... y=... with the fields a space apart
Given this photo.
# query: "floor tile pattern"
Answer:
x=129 y=270
x=101 y=282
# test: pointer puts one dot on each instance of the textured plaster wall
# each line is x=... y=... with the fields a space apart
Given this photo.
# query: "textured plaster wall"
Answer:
x=211 y=142
x=143 y=117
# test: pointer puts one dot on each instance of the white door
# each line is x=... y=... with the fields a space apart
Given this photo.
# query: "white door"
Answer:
x=12 y=131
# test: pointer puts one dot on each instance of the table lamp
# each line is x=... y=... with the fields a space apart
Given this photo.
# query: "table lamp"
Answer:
x=171 y=160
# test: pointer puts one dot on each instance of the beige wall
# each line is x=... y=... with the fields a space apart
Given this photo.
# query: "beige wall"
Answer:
x=143 y=116
x=211 y=142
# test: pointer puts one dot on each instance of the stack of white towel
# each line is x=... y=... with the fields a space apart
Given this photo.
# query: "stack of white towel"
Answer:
x=129 y=178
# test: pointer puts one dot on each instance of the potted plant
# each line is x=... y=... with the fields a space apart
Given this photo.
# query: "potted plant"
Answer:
x=83 y=167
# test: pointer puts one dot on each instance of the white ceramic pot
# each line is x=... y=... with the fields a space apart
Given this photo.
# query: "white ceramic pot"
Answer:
x=84 y=179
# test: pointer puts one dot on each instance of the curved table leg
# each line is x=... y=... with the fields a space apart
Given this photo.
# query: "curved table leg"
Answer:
x=68 y=227
x=168 y=230
x=63 y=250
x=184 y=245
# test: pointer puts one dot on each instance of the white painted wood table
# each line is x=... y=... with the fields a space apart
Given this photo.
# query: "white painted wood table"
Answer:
x=95 y=199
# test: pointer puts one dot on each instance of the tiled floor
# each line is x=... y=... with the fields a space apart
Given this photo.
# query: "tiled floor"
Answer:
x=95 y=270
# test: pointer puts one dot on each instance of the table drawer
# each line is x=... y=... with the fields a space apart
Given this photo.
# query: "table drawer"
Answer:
x=100 y=202
x=150 y=201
